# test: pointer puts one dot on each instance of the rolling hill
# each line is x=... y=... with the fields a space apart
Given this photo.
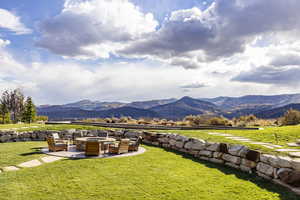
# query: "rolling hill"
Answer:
x=277 y=112
x=60 y=113
x=262 y=106
x=185 y=106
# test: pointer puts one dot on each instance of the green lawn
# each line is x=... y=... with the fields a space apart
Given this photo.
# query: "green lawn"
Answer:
x=156 y=174
x=274 y=135
x=20 y=127
x=14 y=153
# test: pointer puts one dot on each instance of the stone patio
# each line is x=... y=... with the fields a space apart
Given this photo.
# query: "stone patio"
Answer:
x=73 y=153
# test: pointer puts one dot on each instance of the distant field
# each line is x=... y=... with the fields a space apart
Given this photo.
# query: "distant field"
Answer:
x=30 y=127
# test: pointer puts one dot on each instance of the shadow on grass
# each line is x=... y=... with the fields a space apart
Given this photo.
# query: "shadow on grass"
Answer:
x=283 y=193
x=37 y=150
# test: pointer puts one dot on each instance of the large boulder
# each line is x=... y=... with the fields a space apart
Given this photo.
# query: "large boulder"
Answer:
x=195 y=145
x=281 y=162
x=172 y=142
x=265 y=169
x=235 y=149
x=233 y=159
x=205 y=153
x=289 y=176
x=266 y=158
x=179 y=144
x=182 y=138
x=296 y=164
x=213 y=147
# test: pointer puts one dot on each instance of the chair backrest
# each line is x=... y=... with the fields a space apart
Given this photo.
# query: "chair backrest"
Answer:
x=139 y=141
x=92 y=148
x=55 y=136
x=51 y=143
x=123 y=146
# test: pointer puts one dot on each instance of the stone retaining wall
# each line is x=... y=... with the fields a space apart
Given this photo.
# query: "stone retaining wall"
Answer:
x=279 y=169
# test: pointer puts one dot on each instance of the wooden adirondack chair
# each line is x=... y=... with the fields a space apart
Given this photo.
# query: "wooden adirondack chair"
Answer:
x=56 y=137
x=122 y=147
x=134 y=145
x=55 y=145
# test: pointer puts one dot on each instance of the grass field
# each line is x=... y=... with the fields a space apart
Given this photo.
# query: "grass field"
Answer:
x=156 y=174
x=31 y=127
x=274 y=135
x=18 y=152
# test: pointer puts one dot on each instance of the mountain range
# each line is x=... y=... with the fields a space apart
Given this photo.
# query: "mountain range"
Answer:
x=259 y=105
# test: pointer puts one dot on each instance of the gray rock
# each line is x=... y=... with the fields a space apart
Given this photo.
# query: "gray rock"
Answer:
x=215 y=160
x=205 y=153
x=195 y=145
x=217 y=155
x=283 y=174
x=266 y=158
x=233 y=159
x=182 y=138
x=263 y=176
x=296 y=164
x=232 y=165
x=172 y=142
x=179 y=144
x=265 y=169
x=213 y=147
x=203 y=158
x=235 y=149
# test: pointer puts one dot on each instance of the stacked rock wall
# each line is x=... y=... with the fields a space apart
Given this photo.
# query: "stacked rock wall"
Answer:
x=279 y=169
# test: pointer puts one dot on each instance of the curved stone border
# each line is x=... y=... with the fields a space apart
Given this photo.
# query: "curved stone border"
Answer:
x=72 y=153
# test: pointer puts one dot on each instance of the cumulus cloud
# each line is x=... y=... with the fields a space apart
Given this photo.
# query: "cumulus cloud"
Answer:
x=271 y=75
x=12 y=23
x=4 y=43
x=93 y=28
x=285 y=60
x=191 y=38
x=220 y=31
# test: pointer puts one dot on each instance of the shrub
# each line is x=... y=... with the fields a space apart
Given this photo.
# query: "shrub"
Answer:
x=41 y=118
x=195 y=120
x=291 y=117
x=218 y=121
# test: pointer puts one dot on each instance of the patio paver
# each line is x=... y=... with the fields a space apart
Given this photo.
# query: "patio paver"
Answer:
x=288 y=150
x=293 y=144
x=31 y=163
x=295 y=154
x=49 y=159
x=10 y=168
x=268 y=146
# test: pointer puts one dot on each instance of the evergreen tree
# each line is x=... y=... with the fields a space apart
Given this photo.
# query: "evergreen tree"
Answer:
x=29 y=113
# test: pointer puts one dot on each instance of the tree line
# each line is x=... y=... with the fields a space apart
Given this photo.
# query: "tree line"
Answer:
x=15 y=107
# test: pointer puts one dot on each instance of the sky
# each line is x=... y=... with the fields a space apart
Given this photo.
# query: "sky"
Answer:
x=61 y=51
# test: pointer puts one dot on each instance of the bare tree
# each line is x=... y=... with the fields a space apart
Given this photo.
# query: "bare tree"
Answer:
x=13 y=102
